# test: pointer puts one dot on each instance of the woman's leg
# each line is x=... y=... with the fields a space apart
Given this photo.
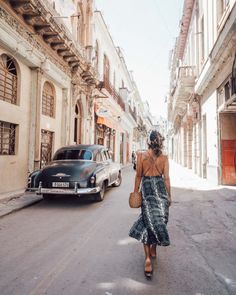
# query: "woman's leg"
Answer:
x=148 y=263
x=153 y=250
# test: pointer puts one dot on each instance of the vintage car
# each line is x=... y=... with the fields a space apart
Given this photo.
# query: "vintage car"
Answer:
x=77 y=170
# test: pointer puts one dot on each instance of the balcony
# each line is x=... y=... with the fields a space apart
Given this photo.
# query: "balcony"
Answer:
x=185 y=83
x=133 y=114
x=111 y=90
x=50 y=35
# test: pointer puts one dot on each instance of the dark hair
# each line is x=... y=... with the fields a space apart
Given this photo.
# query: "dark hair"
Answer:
x=155 y=142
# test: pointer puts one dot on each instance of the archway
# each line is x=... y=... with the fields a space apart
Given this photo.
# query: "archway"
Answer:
x=78 y=123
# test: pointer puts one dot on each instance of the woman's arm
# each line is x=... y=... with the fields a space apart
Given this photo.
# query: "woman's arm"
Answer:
x=167 y=179
x=138 y=175
x=137 y=183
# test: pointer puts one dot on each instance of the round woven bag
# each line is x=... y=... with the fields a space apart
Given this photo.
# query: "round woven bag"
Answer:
x=135 y=200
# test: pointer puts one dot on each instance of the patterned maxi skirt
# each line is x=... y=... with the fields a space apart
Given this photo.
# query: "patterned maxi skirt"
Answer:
x=150 y=228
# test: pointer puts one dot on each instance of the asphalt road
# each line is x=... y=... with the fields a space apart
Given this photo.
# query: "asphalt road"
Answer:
x=72 y=246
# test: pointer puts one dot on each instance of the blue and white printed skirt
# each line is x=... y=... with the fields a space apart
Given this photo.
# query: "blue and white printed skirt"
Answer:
x=150 y=228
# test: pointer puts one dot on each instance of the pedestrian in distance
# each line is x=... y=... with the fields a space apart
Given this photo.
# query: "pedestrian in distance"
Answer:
x=152 y=180
x=134 y=159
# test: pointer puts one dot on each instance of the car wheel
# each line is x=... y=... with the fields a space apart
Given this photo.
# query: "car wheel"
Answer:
x=118 y=181
x=47 y=196
x=100 y=196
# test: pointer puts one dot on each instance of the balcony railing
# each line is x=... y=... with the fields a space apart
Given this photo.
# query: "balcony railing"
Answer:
x=111 y=90
x=186 y=72
x=133 y=114
x=184 y=85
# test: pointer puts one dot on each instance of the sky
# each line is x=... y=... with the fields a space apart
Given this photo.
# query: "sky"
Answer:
x=146 y=32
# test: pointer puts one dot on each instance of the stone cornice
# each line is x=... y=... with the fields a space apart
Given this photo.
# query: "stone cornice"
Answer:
x=30 y=39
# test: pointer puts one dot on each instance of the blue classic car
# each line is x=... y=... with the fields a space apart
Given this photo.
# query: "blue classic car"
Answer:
x=77 y=170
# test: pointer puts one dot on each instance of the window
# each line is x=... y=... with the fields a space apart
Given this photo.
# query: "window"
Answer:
x=106 y=71
x=77 y=22
x=7 y=138
x=96 y=55
x=98 y=157
x=105 y=155
x=8 y=79
x=108 y=155
x=48 y=101
x=227 y=91
x=73 y=154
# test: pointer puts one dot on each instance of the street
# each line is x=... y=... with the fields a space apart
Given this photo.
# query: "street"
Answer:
x=71 y=246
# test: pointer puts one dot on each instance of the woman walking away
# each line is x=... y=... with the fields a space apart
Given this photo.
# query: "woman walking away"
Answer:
x=152 y=179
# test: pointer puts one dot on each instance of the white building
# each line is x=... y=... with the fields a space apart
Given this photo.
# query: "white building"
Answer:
x=202 y=103
x=118 y=103
x=44 y=75
x=60 y=72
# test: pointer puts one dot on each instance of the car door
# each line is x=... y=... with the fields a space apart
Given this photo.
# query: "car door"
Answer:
x=113 y=168
x=107 y=165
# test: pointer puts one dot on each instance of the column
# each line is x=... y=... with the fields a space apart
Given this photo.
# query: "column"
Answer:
x=64 y=117
x=35 y=116
x=189 y=144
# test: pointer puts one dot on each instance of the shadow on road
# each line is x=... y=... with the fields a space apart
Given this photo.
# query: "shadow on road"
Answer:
x=68 y=202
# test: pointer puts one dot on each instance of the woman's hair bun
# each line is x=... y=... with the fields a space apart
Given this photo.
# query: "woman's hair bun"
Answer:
x=155 y=142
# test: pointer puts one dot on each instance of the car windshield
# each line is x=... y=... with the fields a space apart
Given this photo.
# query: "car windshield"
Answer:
x=73 y=155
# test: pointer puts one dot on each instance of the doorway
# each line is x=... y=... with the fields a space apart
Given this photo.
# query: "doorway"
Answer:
x=46 y=147
x=228 y=148
x=78 y=124
x=204 y=147
x=122 y=148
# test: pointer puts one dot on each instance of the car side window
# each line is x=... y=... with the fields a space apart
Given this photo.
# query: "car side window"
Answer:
x=104 y=156
x=98 y=157
x=86 y=155
x=108 y=155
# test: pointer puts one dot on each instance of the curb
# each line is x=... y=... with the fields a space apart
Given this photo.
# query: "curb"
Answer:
x=15 y=204
x=11 y=196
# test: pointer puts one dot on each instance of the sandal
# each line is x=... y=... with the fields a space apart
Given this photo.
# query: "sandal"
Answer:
x=148 y=270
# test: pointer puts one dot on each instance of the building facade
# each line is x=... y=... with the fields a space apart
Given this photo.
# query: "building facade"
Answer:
x=45 y=76
x=202 y=102
x=62 y=81
x=117 y=103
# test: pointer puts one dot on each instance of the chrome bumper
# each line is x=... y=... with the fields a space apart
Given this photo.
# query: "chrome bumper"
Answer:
x=62 y=191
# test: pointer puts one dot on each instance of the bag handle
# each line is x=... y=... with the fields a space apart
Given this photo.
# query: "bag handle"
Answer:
x=140 y=164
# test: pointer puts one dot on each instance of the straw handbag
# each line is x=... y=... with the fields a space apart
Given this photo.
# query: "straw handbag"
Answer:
x=135 y=200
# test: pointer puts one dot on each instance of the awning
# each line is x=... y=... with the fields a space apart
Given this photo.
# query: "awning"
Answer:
x=109 y=123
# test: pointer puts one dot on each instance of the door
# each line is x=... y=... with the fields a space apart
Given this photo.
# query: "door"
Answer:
x=107 y=165
x=46 y=147
x=228 y=148
x=204 y=158
x=121 y=148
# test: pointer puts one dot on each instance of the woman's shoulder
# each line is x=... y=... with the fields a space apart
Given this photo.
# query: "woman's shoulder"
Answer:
x=141 y=152
x=164 y=157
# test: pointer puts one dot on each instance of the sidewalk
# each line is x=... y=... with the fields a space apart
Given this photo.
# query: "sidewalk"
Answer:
x=12 y=203
x=183 y=177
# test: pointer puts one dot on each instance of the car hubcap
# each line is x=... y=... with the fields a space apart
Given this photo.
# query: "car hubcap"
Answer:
x=118 y=181
x=102 y=192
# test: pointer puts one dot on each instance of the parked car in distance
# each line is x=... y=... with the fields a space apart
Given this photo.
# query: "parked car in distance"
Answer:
x=77 y=170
